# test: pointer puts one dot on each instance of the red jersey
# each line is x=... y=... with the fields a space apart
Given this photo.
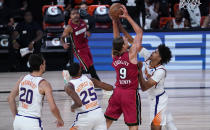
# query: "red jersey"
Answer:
x=126 y=72
x=79 y=34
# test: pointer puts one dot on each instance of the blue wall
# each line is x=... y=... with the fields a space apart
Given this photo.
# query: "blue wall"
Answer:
x=191 y=50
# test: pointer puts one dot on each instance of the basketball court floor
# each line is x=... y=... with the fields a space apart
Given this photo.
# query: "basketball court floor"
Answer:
x=189 y=100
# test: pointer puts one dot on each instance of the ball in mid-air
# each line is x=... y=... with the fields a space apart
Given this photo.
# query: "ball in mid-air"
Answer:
x=115 y=11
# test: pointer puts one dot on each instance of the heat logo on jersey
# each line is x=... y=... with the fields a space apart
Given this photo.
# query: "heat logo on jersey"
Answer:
x=80 y=31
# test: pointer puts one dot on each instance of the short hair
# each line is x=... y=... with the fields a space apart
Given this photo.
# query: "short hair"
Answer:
x=117 y=45
x=27 y=11
x=165 y=54
x=74 y=69
x=74 y=9
x=35 y=60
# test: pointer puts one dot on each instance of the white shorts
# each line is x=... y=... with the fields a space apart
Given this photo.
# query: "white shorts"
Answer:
x=27 y=123
x=90 y=120
x=158 y=109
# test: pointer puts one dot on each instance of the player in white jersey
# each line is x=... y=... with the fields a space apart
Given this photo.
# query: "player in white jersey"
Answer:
x=153 y=83
x=85 y=103
x=31 y=90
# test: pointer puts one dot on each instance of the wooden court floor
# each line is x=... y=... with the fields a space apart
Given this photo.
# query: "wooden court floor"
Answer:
x=189 y=100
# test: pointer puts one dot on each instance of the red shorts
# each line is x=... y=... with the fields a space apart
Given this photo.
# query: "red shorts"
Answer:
x=84 y=56
x=126 y=102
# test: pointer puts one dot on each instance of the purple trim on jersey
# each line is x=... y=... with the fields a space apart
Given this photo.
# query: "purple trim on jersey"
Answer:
x=38 y=118
x=83 y=113
x=157 y=101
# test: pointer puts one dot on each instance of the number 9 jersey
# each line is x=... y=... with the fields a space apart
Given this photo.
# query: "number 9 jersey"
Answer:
x=84 y=88
x=30 y=100
x=127 y=73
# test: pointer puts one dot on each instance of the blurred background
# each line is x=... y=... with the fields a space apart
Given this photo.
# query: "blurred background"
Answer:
x=183 y=27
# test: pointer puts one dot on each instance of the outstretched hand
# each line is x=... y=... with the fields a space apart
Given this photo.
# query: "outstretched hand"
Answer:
x=95 y=82
x=125 y=12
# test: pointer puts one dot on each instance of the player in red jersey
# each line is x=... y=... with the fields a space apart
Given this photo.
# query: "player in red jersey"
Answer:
x=77 y=30
x=125 y=98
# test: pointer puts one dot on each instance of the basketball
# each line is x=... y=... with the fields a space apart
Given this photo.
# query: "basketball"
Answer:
x=115 y=10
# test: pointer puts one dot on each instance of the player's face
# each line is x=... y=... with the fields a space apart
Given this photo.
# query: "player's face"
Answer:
x=155 y=56
x=28 y=17
x=43 y=66
x=178 y=16
x=75 y=15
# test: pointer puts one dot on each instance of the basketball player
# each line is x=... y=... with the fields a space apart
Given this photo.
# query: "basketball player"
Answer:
x=77 y=29
x=31 y=90
x=85 y=103
x=153 y=83
x=125 y=98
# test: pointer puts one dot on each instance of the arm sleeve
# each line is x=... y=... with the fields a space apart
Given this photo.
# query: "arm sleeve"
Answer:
x=158 y=75
x=145 y=53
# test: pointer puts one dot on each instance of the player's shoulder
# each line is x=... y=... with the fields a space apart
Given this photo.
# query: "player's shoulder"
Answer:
x=160 y=70
x=44 y=84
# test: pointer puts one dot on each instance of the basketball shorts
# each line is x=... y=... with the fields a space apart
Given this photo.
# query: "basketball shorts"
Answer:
x=90 y=120
x=126 y=102
x=158 y=109
x=27 y=123
x=85 y=57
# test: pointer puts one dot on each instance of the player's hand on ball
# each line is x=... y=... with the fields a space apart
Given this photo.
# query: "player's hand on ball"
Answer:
x=60 y=123
x=125 y=12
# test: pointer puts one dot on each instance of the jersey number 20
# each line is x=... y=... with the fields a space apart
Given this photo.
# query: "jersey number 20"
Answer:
x=26 y=96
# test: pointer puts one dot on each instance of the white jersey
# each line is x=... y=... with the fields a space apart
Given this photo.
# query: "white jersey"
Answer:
x=158 y=74
x=151 y=14
x=30 y=100
x=84 y=88
x=90 y=116
x=175 y=25
x=158 y=98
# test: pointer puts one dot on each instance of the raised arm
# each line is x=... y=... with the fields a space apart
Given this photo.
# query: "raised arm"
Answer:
x=136 y=46
x=47 y=89
x=127 y=35
x=102 y=85
x=116 y=32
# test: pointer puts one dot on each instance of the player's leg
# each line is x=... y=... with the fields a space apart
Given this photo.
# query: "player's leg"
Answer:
x=133 y=127
x=108 y=123
x=158 y=111
x=131 y=108
x=93 y=73
x=82 y=122
x=70 y=55
x=155 y=127
x=99 y=121
x=91 y=68
x=113 y=110
x=169 y=122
